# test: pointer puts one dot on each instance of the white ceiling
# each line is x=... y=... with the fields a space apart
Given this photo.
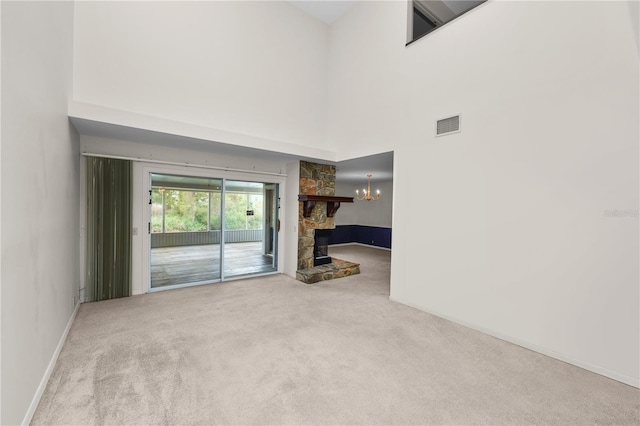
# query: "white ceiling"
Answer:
x=328 y=11
x=380 y=166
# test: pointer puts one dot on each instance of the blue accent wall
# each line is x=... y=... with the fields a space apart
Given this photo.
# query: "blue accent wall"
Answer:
x=369 y=235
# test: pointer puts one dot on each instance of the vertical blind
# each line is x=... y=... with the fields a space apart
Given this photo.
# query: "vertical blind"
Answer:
x=108 y=266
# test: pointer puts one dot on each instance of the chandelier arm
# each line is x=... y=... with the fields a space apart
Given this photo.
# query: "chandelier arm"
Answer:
x=366 y=193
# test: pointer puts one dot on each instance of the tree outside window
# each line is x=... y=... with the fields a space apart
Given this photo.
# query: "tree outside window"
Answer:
x=254 y=203
x=157 y=210
x=237 y=204
x=215 y=218
x=189 y=211
x=186 y=211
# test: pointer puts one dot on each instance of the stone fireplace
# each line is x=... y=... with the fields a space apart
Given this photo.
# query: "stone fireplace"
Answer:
x=317 y=207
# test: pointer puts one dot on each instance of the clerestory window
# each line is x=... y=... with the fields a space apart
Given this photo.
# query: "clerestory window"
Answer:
x=427 y=15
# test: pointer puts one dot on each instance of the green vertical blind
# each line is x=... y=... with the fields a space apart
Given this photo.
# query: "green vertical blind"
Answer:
x=108 y=258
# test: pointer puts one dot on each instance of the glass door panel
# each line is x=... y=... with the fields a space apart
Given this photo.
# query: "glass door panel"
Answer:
x=248 y=248
x=185 y=230
x=271 y=223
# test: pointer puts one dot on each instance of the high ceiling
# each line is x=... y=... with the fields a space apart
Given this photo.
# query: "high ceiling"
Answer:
x=380 y=166
x=328 y=11
x=349 y=171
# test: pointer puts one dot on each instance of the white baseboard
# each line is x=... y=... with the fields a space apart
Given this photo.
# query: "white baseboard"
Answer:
x=623 y=378
x=47 y=374
x=359 y=244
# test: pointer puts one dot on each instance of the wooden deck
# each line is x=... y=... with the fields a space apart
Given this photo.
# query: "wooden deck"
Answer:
x=201 y=263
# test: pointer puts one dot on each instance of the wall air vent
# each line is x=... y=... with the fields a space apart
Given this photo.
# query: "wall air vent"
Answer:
x=448 y=125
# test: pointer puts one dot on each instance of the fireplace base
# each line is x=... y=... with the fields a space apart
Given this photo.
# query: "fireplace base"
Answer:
x=336 y=269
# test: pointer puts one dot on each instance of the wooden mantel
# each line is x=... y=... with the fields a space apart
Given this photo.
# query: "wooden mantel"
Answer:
x=333 y=203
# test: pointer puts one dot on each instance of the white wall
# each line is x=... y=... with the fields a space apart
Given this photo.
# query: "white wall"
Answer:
x=515 y=235
x=254 y=68
x=290 y=228
x=272 y=171
x=367 y=213
x=0 y=216
x=40 y=182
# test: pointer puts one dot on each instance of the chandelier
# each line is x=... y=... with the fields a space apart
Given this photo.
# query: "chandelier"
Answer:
x=366 y=193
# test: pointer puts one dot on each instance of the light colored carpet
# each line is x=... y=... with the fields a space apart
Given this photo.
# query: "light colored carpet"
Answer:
x=276 y=351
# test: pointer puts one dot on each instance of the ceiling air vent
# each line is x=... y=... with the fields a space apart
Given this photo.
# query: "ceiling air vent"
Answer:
x=448 y=125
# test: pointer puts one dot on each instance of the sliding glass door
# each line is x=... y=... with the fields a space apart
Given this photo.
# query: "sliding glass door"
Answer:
x=185 y=230
x=188 y=215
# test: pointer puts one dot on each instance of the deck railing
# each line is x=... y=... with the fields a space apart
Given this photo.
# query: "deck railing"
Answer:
x=172 y=239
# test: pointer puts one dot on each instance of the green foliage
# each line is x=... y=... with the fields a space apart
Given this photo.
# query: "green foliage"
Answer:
x=156 y=211
x=255 y=204
x=156 y=224
x=216 y=207
x=187 y=211
x=235 y=207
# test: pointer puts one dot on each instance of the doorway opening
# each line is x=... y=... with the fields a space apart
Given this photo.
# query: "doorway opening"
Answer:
x=206 y=230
